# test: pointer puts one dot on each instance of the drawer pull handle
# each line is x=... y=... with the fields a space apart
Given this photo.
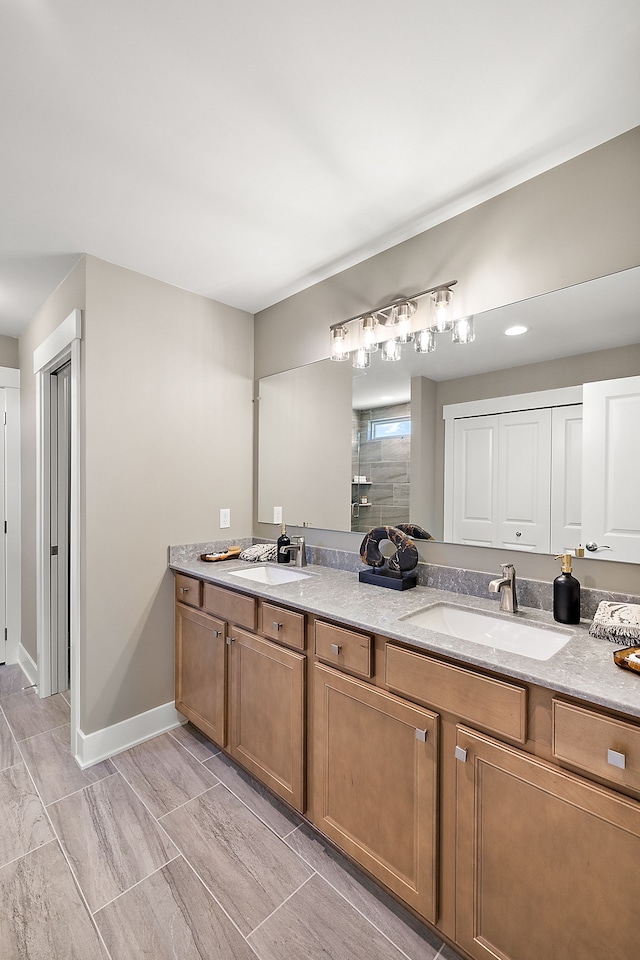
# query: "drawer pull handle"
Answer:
x=461 y=754
x=421 y=735
x=184 y=589
x=336 y=648
x=276 y=626
x=616 y=759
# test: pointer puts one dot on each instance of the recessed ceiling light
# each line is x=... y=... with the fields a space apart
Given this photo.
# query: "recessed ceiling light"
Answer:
x=516 y=331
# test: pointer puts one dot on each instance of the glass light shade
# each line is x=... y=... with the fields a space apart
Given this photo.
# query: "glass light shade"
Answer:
x=369 y=333
x=463 y=330
x=405 y=313
x=390 y=350
x=339 y=344
x=361 y=359
x=425 y=341
x=441 y=300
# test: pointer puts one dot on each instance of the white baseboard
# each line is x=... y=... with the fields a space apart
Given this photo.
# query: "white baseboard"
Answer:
x=28 y=664
x=93 y=747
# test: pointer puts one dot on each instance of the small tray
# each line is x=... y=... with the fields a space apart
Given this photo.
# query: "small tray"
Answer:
x=628 y=658
x=389 y=579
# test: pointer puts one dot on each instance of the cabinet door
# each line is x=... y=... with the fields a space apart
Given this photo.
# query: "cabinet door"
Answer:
x=375 y=783
x=547 y=862
x=266 y=713
x=201 y=671
x=610 y=502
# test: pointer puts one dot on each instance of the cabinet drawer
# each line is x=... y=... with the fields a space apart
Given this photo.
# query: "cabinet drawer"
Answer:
x=600 y=745
x=344 y=648
x=188 y=590
x=495 y=705
x=231 y=606
x=282 y=625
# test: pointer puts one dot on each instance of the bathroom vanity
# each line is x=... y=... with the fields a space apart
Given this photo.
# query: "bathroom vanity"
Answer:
x=495 y=794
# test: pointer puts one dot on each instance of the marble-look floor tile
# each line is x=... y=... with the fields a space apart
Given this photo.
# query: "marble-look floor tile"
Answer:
x=28 y=715
x=448 y=954
x=317 y=924
x=195 y=742
x=56 y=773
x=12 y=679
x=9 y=753
x=169 y=915
x=281 y=820
x=163 y=774
x=42 y=915
x=247 y=867
x=388 y=916
x=111 y=839
x=23 y=821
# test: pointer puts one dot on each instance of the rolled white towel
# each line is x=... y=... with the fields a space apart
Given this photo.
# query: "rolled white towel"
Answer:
x=616 y=622
x=259 y=553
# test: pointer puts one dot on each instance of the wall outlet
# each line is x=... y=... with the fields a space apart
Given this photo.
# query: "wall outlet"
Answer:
x=277 y=514
x=225 y=517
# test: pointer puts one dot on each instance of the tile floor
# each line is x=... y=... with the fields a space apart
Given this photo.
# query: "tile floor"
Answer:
x=169 y=850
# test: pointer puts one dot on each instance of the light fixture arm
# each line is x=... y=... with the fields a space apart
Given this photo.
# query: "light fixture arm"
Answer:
x=380 y=311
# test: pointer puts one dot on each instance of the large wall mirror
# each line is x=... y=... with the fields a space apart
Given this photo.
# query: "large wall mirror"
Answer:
x=344 y=449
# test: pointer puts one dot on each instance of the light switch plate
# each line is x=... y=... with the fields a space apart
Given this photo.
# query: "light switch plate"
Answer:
x=225 y=517
x=277 y=514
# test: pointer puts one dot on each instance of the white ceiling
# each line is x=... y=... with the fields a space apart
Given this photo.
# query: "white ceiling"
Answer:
x=246 y=150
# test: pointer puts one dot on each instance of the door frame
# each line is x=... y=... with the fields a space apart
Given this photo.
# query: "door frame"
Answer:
x=62 y=345
x=10 y=382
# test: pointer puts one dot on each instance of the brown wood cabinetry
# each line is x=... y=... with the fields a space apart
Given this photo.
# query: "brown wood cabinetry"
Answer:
x=201 y=671
x=266 y=712
x=376 y=781
x=546 y=860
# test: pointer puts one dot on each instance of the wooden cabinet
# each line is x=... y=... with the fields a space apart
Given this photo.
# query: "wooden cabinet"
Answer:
x=201 y=671
x=546 y=861
x=375 y=783
x=266 y=712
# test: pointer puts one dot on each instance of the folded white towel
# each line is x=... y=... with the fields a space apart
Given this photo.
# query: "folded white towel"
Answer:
x=616 y=622
x=259 y=553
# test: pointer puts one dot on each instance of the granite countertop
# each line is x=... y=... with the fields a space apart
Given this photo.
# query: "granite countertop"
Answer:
x=584 y=668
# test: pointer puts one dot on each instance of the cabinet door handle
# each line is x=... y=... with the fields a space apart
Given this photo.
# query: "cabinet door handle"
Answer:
x=230 y=641
x=421 y=735
x=461 y=754
x=217 y=633
x=336 y=648
x=616 y=759
x=276 y=626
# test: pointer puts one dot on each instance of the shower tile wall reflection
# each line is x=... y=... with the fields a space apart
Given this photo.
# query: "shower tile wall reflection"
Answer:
x=386 y=465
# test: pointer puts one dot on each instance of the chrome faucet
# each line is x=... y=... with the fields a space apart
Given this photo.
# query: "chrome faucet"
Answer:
x=300 y=551
x=506 y=587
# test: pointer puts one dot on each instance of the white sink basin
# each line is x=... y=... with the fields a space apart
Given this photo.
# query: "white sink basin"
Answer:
x=509 y=634
x=272 y=575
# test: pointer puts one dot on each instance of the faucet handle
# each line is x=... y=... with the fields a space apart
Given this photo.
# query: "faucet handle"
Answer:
x=507 y=569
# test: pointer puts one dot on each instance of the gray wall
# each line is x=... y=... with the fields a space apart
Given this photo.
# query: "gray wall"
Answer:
x=9 y=352
x=570 y=224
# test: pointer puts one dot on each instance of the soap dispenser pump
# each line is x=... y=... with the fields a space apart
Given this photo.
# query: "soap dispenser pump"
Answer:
x=283 y=556
x=566 y=594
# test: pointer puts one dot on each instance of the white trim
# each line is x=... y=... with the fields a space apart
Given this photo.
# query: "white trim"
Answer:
x=561 y=397
x=13 y=541
x=50 y=352
x=94 y=747
x=61 y=345
x=9 y=377
x=28 y=665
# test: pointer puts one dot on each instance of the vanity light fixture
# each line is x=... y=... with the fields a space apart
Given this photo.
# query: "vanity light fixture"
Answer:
x=397 y=323
x=516 y=331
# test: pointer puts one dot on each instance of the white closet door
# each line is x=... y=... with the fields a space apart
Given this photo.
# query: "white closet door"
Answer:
x=524 y=468
x=475 y=481
x=610 y=498
x=566 y=478
x=3 y=518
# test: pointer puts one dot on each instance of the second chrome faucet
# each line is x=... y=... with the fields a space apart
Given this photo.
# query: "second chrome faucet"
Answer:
x=506 y=587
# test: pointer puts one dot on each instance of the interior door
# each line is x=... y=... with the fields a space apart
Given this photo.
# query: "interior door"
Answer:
x=524 y=493
x=60 y=382
x=610 y=500
x=3 y=524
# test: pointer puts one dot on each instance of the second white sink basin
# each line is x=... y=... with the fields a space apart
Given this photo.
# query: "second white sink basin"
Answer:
x=509 y=634
x=272 y=575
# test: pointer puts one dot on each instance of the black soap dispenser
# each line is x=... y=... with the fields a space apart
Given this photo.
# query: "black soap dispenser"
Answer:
x=566 y=594
x=283 y=541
